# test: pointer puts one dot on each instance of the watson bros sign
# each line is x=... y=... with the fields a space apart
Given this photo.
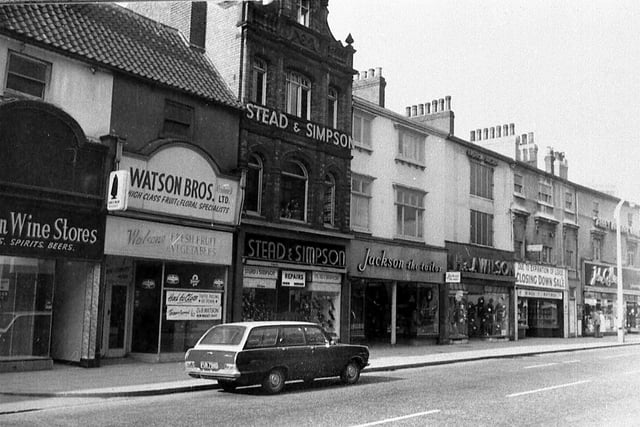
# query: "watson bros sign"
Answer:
x=178 y=181
x=49 y=232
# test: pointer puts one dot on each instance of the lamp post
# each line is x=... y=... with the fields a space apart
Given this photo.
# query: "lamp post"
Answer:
x=620 y=320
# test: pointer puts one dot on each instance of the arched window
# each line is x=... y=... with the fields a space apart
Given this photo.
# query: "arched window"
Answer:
x=329 y=201
x=254 y=188
x=293 y=191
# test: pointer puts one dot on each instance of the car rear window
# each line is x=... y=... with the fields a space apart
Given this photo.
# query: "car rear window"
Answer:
x=262 y=337
x=224 y=334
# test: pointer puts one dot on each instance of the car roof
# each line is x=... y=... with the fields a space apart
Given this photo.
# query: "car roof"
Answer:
x=268 y=323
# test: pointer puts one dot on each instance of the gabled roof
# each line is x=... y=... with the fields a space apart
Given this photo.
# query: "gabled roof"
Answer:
x=120 y=39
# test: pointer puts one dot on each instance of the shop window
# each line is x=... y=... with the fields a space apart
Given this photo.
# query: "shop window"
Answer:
x=293 y=191
x=332 y=107
x=329 y=202
x=360 y=202
x=478 y=311
x=298 y=95
x=259 y=81
x=411 y=147
x=481 y=228
x=409 y=212
x=27 y=76
x=362 y=130
x=255 y=185
x=417 y=310
x=26 y=305
x=481 y=176
x=178 y=119
x=302 y=12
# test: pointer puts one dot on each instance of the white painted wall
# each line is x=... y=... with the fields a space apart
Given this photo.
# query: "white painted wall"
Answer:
x=381 y=164
x=73 y=87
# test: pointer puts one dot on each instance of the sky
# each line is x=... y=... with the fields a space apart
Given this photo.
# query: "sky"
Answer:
x=568 y=71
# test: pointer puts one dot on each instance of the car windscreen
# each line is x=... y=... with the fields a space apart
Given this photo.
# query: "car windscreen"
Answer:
x=224 y=335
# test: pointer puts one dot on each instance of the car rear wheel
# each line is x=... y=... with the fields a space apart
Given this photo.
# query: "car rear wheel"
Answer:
x=227 y=385
x=351 y=373
x=274 y=382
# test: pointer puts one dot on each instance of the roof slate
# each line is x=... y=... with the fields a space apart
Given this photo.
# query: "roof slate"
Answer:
x=119 y=38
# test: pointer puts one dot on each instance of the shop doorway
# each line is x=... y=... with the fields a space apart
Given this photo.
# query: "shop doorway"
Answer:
x=117 y=313
x=116 y=319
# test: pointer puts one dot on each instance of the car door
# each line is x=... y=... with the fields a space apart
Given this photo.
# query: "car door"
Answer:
x=294 y=353
x=322 y=359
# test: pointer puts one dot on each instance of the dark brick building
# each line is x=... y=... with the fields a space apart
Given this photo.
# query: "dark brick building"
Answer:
x=294 y=78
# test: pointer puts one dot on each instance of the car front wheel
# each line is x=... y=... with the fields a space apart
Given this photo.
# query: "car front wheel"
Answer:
x=274 y=382
x=351 y=373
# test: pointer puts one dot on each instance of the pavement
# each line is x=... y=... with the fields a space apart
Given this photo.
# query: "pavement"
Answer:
x=23 y=391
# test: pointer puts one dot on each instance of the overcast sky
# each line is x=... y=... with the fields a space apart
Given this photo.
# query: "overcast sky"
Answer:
x=568 y=71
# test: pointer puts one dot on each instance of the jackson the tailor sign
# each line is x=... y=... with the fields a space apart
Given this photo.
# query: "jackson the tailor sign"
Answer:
x=178 y=180
x=136 y=238
x=43 y=230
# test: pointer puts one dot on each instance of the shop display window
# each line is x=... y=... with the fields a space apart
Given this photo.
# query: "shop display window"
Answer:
x=313 y=303
x=192 y=303
x=607 y=304
x=479 y=311
x=26 y=303
x=417 y=310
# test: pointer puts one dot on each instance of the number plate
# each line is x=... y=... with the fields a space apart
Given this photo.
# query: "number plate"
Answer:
x=209 y=365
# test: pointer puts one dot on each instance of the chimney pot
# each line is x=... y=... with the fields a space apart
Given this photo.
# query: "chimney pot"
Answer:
x=447 y=100
x=530 y=137
x=485 y=133
x=379 y=71
x=505 y=130
x=421 y=109
x=493 y=132
x=524 y=138
x=414 y=110
x=372 y=72
x=408 y=111
x=479 y=134
x=498 y=131
x=441 y=104
x=512 y=129
x=427 y=108
x=472 y=136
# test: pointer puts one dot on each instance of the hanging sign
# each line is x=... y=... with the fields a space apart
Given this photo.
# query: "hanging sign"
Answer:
x=118 y=191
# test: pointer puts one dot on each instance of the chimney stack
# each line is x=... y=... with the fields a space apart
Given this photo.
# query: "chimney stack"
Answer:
x=371 y=86
x=548 y=160
x=436 y=114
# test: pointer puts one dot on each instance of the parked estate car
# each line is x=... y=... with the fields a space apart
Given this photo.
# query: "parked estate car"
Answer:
x=270 y=353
